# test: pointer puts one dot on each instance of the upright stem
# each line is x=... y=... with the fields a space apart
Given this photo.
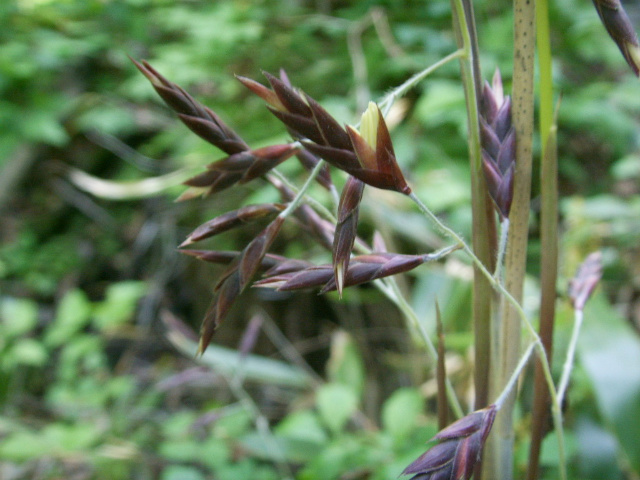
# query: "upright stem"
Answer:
x=502 y=437
x=483 y=240
x=548 y=235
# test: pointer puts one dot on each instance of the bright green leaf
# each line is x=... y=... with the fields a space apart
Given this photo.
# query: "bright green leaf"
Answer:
x=119 y=304
x=303 y=424
x=181 y=472
x=336 y=403
x=26 y=351
x=72 y=315
x=401 y=412
x=610 y=353
x=345 y=364
x=18 y=316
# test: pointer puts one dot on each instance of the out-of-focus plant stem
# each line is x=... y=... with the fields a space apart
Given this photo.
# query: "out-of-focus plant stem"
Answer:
x=484 y=237
x=499 y=457
x=548 y=237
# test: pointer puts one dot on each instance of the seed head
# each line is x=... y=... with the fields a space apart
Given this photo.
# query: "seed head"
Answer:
x=498 y=141
x=459 y=449
x=360 y=269
x=585 y=280
x=346 y=228
x=371 y=161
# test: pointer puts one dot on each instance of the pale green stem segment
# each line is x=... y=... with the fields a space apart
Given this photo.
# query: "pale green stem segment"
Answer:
x=543 y=38
x=303 y=190
x=508 y=388
x=399 y=91
x=502 y=246
x=571 y=353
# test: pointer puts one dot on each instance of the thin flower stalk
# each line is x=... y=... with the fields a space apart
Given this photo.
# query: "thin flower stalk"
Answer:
x=580 y=289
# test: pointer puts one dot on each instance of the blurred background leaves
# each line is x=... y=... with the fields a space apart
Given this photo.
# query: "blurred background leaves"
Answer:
x=91 y=383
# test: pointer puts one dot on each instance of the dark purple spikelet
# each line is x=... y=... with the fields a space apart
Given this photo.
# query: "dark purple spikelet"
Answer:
x=346 y=228
x=225 y=257
x=370 y=158
x=242 y=163
x=233 y=219
x=620 y=29
x=585 y=280
x=200 y=119
x=294 y=103
x=241 y=167
x=498 y=141
x=235 y=279
x=458 y=451
x=361 y=269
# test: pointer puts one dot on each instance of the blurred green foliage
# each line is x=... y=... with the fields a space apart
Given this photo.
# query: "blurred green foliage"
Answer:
x=89 y=385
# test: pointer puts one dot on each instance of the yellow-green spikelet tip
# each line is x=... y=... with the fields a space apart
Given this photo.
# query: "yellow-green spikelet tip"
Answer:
x=369 y=125
x=634 y=53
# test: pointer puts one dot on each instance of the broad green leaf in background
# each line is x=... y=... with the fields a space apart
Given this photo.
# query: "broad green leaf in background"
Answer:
x=17 y=317
x=345 y=364
x=181 y=472
x=609 y=350
x=72 y=315
x=597 y=451
x=401 y=412
x=25 y=351
x=119 y=304
x=336 y=403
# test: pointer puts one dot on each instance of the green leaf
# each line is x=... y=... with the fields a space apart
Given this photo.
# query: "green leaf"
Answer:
x=183 y=450
x=119 y=304
x=233 y=425
x=26 y=351
x=295 y=450
x=401 y=412
x=180 y=472
x=336 y=403
x=18 y=316
x=610 y=353
x=303 y=424
x=597 y=451
x=23 y=446
x=73 y=315
x=345 y=364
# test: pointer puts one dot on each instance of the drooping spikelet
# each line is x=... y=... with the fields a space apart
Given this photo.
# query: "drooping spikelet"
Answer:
x=620 y=29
